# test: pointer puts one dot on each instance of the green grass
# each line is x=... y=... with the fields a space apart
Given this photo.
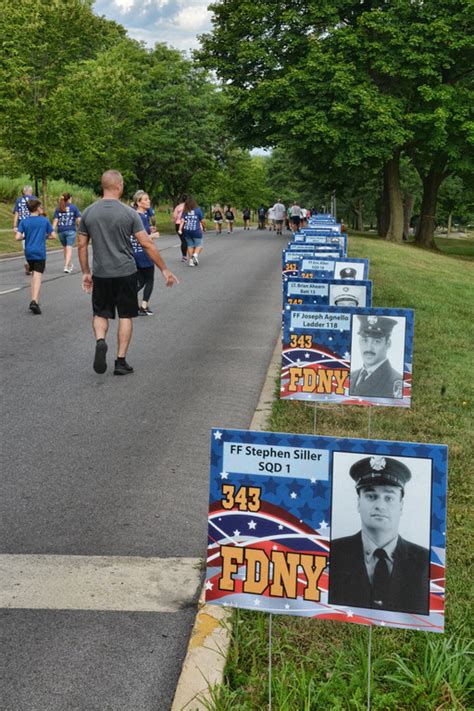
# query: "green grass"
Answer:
x=322 y=665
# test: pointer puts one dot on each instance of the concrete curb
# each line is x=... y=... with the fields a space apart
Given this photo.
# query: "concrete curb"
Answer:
x=208 y=645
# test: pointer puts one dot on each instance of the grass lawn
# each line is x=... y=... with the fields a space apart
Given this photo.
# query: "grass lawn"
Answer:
x=323 y=665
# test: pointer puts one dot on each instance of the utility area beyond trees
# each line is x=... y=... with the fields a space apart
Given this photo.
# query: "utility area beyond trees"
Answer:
x=371 y=101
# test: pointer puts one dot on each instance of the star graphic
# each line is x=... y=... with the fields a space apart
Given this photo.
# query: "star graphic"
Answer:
x=275 y=548
x=320 y=490
x=347 y=355
x=313 y=481
x=217 y=434
x=306 y=512
x=306 y=355
x=271 y=486
x=293 y=495
x=349 y=613
x=252 y=525
x=287 y=607
x=256 y=602
x=323 y=524
x=280 y=527
x=209 y=585
x=382 y=624
x=236 y=532
x=224 y=475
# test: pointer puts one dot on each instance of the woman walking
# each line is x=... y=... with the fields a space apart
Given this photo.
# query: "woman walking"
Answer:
x=65 y=221
x=177 y=215
x=192 y=226
x=145 y=267
x=246 y=216
x=230 y=217
x=218 y=218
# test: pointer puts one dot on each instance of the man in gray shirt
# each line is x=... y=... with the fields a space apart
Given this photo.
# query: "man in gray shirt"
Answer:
x=108 y=224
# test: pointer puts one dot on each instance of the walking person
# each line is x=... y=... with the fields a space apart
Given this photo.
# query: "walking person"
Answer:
x=246 y=216
x=279 y=212
x=145 y=266
x=35 y=229
x=192 y=227
x=218 y=219
x=261 y=213
x=230 y=217
x=108 y=224
x=177 y=215
x=20 y=211
x=295 y=216
x=65 y=221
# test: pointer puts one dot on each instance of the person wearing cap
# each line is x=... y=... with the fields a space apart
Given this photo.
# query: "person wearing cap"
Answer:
x=345 y=297
x=348 y=273
x=377 y=378
x=376 y=568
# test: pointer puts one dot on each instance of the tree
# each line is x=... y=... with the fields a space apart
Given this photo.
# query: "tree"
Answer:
x=345 y=82
x=40 y=39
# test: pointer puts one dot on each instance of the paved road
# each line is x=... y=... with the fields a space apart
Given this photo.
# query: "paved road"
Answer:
x=109 y=476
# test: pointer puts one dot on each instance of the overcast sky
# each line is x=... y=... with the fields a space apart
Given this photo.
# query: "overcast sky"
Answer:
x=176 y=22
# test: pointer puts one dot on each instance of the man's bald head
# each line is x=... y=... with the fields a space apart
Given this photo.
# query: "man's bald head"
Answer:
x=112 y=182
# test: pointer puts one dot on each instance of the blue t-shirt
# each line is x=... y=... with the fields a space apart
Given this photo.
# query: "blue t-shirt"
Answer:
x=67 y=219
x=140 y=256
x=21 y=206
x=36 y=229
x=192 y=220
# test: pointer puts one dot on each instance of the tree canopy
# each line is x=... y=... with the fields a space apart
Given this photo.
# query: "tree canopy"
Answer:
x=351 y=86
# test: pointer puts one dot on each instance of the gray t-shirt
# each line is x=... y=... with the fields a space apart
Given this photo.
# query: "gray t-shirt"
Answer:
x=109 y=224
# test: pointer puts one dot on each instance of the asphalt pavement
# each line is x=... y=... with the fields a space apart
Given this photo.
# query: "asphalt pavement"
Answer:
x=111 y=473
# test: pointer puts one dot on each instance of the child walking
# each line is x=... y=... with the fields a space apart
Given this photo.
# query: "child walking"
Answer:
x=35 y=230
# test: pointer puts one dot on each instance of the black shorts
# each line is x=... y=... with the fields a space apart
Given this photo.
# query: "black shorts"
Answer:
x=296 y=220
x=113 y=293
x=36 y=265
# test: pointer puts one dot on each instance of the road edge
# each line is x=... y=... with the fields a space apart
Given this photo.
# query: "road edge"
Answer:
x=203 y=666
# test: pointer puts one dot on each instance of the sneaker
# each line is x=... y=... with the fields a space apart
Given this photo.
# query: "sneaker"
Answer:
x=122 y=368
x=141 y=311
x=27 y=269
x=34 y=306
x=184 y=259
x=147 y=312
x=68 y=268
x=191 y=263
x=195 y=260
x=100 y=364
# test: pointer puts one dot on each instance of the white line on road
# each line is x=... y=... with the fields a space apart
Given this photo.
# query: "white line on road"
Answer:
x=9 y=291
x=132 y=584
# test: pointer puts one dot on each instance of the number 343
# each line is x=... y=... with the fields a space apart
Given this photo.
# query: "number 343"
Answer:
x=247 y=498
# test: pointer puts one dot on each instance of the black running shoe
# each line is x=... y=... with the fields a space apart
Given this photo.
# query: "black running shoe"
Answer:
x=122 y=368
x=100 y=363
x=35 y=307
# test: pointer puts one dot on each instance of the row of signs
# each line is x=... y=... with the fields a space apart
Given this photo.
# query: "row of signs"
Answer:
x=341 y=529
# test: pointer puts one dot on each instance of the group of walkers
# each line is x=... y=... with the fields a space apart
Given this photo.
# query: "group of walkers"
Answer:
x=294 y=217
x=124 y=253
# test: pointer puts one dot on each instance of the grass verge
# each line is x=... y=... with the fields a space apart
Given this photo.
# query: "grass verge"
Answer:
x=323 y=665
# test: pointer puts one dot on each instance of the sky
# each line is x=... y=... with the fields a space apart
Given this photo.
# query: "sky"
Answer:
x=176 y=22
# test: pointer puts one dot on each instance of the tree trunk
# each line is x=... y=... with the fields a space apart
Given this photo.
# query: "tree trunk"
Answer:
x=450 y=222
x=357 y=222
x=383 y=210
x=44 y=192
x=425 y=231
x=408 y=204
x=392 y=175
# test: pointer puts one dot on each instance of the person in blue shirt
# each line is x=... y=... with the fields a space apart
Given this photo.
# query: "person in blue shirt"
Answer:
x=66 y=220
x=20 y=211
x=35 y=230
x=145 y=267
x=192 y=225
